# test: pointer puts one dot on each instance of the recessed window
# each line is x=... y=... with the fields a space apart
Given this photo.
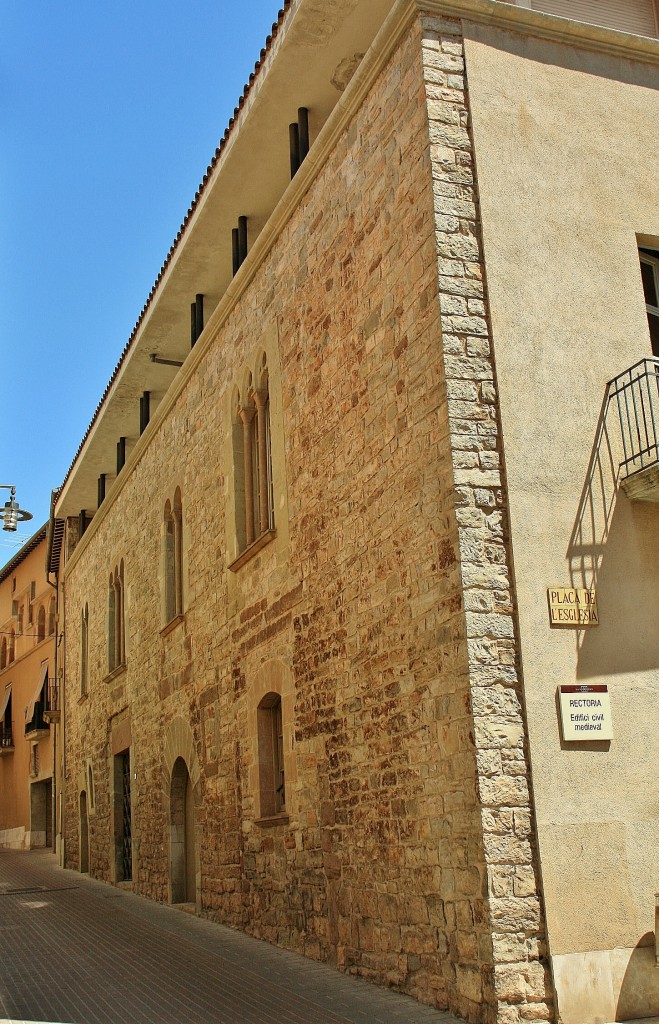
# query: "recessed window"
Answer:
x=650 y=277
x=41 y=624
x=84 y=652
x=51 y=617
x=116 y=626
x=12 y=646
x=3 y=653
x=272 y=782
x=173 y=557
x=253 y=460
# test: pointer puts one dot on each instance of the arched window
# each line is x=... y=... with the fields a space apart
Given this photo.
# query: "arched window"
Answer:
x=253 y=461
x=12 y=646
x=51 y=617
x=84 y=651
x=272 y=782
x=173 y=557
x=41 y=623
x=3 y=653
x=116 y=626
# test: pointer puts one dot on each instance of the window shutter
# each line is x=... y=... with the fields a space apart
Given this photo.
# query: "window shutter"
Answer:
x=635 y=16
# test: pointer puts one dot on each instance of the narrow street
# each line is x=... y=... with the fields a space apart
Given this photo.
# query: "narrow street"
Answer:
x=78 y=951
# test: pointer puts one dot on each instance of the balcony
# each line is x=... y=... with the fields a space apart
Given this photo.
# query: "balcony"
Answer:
x=634 y=395
x=38 y=726
x=6 y=739
x=52 y=711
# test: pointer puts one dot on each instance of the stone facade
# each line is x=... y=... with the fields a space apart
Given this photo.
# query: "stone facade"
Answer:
x=379 y=617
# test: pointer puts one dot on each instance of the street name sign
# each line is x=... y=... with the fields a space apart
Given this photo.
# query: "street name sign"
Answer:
x=572 y=606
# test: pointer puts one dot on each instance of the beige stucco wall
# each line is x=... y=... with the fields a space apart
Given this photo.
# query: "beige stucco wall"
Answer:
x=565 y=147
x=19 y=807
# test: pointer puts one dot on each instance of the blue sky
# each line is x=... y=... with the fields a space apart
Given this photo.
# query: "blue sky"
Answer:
x=109 y=116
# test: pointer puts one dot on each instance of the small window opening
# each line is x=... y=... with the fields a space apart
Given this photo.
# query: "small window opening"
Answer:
x=272 y=781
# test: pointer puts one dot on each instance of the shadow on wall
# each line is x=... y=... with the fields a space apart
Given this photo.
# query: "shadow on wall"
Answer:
x=639 y=991
x=613 y=549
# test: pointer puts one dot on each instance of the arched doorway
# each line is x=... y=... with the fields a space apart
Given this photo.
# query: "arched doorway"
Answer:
x=84 y=833
x=182 y=854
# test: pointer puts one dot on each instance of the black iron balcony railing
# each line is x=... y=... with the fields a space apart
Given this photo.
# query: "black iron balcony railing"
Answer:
x=38 y=723
x=6 y=738
x=635 y=395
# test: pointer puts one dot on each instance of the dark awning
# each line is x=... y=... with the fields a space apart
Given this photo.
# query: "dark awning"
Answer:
x=5 y=701
x=43 y=678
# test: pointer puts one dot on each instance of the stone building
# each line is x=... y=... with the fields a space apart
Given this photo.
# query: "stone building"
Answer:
x=28 y=698
x=331 y=557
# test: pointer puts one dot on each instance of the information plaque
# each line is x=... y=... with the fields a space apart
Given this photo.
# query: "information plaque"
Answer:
x=585 y=713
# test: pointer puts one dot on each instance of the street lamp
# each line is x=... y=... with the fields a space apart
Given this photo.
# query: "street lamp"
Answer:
x=12 y=513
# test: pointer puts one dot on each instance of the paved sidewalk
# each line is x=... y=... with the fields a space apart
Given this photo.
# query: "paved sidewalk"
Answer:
x=76 y=950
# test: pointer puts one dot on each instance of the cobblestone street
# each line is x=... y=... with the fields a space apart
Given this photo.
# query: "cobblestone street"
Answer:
x=76 y=950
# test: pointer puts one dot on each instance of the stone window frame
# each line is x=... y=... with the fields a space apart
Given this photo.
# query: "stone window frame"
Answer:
x=272 y=704
x=252 y=461
x=116 y=619
x=172 y=561
x=272 y=771
x=91 y=789
x=263 y=355
x=84 y=650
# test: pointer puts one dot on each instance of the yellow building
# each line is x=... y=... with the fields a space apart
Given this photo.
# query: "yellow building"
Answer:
x=360 y=583
x=28 y=698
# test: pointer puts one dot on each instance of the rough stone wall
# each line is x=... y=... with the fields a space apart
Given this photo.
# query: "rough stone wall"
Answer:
x=521 y=979
x=381 y=866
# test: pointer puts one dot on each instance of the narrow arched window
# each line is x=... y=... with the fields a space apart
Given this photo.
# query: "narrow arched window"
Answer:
x=41 y=623
x=173 y=557
x=3 y=653
x=116 y=625
x=12 y=646
x=51 y=617
x=84 y=651
x=253 y=462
